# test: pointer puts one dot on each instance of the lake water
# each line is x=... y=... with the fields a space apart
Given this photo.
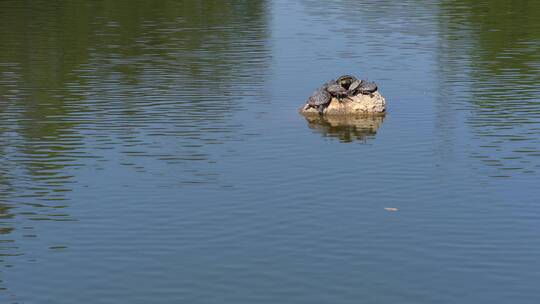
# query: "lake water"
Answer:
x=153 y=153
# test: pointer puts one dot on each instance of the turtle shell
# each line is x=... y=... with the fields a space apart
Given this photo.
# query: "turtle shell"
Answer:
x=336 y=90
x=346 y=80
x=354 y=85
x=319 y=97
x=367 y=88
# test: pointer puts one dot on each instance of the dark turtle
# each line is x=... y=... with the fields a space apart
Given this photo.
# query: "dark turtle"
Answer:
x=354 y=86
x=336 y=90
x=327 y=84
x=346 y=80
x=319 y=99
x=367 y=88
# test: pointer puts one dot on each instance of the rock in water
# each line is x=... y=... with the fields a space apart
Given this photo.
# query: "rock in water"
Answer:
x=368 y=104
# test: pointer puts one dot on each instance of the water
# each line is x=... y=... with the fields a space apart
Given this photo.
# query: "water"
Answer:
x=152 y=153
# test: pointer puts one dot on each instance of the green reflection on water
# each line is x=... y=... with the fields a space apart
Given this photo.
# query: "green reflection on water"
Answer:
x=76 y=76
x=495 y=44
x=72 y=65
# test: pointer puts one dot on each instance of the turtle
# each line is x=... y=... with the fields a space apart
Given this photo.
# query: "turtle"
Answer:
x=336 y=90
x=346 y=80
x=327 y=84
x=352 y=90
x=367 y=88
x=319 y=99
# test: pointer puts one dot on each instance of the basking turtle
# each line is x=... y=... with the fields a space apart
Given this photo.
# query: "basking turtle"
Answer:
x=327 y=84
x=319 y=99
x=367 y=88
x=336 y=90
x=346 y=80
x=354 y=86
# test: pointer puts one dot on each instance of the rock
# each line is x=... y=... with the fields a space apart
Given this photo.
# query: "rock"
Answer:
x=373 y=104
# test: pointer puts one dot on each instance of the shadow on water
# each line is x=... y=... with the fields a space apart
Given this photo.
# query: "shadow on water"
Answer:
x=346 y=129
x=489 y=56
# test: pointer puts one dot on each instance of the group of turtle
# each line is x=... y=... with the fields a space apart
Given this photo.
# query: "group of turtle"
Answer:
x=344 y=87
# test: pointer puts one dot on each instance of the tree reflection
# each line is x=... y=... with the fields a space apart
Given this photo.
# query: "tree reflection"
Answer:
x=496 y=46
x=150 y=79
x=123 y=72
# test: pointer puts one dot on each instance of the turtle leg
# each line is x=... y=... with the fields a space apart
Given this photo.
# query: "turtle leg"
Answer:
x=321 y=109
x=341 y=99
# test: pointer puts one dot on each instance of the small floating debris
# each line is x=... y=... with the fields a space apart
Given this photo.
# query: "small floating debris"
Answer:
x=391 y=209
